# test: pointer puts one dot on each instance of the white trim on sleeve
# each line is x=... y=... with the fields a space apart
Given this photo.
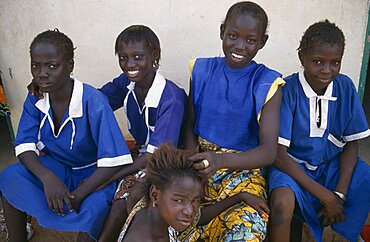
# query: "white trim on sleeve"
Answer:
x=335 y=141
x=357 y=136
x=115 y=161
x=21 y=148
x=150 y=148
x=284 y=142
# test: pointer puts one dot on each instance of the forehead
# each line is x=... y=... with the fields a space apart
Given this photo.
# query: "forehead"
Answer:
x=325 y=50
x=138 y=45
x=244 y=22
x=185 y=186
x=46 y=50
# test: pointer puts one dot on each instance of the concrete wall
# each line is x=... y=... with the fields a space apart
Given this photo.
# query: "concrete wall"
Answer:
x=187 y=29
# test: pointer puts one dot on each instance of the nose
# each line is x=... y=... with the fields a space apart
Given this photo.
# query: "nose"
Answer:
x=325 y=69
x=43 y=71
x=188 y=210
x=130 y=62
x=240 y=44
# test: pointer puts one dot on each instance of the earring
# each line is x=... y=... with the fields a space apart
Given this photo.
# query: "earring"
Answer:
x=154 y=204
x=155 y=63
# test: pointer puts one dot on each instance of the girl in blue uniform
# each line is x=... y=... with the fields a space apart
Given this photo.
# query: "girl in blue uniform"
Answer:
x=233 y=107
x=154 y=107
x=317 y=166
x=83 y=147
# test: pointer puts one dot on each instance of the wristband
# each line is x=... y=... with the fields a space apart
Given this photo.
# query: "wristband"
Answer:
x=340 y=195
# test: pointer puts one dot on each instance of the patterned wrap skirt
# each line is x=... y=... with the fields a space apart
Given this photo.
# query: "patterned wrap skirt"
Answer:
x=239 y=222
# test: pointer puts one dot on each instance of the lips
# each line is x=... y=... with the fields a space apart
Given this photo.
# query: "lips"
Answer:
x=44 y=84
x=132 y=74
x=185 y=223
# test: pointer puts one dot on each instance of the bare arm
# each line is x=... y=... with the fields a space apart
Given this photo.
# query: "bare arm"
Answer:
x=96 y=180
x=348 y=161
x=333 y=210
x=139 y=164
x=211 y=211
x=261 y=156
x=56 y=192
x=190 y=140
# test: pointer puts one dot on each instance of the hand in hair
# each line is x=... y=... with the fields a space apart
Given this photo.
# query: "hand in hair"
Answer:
x=199 y=165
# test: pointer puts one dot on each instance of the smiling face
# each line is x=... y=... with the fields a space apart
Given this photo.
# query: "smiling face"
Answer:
x=179 y=203
x=321 y=65
x=136 y=61
x=49 y=67
x=242 y=36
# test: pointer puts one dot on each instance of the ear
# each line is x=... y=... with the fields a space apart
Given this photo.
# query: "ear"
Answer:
x=155 y=55
x=300 y=56
x=154 y=193
x=263 y=41
x=222 y=31
x=71 y=66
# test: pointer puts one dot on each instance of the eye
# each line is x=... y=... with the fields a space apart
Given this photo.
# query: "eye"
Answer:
x=138 y=57
x=232 y=36
x=122 y=58
x=251 y=41
x=317 y=62
x=53 y=66
x=33 y=66
x=196 y=201
x=336 y=63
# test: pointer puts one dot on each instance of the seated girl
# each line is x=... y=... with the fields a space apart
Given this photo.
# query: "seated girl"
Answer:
x=172 y=194
x=76 y=129
x=317 y=166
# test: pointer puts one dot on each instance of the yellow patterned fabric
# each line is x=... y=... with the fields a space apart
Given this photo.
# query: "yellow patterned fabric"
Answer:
x=240 y=222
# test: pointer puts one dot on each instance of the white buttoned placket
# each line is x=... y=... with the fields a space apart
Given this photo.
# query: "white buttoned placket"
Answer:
x=40 y=145
x=144 y=110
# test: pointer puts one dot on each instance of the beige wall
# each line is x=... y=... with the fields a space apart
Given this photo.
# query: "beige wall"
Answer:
x=186 y=29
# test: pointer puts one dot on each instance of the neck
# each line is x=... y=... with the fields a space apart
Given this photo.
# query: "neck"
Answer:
x=63 y=94
x=147 y=82
x=160 y=227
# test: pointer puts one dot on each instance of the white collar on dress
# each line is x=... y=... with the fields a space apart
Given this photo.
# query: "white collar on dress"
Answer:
x=155 y=91
x=309 y=92
x=75 y=105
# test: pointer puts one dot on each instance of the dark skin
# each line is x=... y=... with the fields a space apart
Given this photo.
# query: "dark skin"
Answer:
x=148 y=218
x=136 y=61
x=51 y=72
x=242 y=38
x=132 y=57
x=322 y=64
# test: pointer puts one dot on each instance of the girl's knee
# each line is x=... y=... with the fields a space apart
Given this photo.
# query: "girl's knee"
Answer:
x=282 y=203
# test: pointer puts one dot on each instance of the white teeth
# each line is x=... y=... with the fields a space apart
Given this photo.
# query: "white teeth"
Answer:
x=132 y=72
x=237 y=56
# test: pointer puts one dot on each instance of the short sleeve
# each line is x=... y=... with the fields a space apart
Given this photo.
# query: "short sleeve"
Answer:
x=26 y=138
x=286 y=118
x=357 y=127
x=169 y=122
x=112 y=148
x=116 y=91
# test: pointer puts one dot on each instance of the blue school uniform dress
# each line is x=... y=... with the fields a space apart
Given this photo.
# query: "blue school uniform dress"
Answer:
x=162 y=113
x=317 y=148
x=227 y=106
x=89 y=137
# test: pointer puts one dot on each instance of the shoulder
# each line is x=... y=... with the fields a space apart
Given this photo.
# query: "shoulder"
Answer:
x=343 y=81
x=208 y=61
x=174 y=89
x=263 y=73
x=92 y=95
x=173 y=94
